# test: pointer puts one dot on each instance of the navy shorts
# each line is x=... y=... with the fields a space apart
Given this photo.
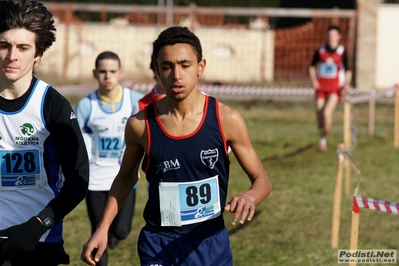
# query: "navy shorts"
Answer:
x=166 y=249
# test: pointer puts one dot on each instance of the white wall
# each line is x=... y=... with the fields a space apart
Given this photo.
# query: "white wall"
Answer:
x=387 y=61
x=251 y=57
x=233 y=56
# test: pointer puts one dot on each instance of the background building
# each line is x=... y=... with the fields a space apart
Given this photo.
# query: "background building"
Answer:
x=257 y=46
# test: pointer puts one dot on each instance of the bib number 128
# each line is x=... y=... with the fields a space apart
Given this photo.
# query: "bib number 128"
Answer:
x=19 y=162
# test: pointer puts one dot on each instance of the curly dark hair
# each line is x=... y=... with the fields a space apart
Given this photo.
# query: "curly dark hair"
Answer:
x=174 y=35
x=32 y=16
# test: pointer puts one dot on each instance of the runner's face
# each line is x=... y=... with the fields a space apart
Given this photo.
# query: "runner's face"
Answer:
x=333 y=38
x=178 y=69
x=108 y=74
x=17 y=54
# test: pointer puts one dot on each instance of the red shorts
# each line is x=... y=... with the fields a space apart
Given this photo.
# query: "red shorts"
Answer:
x=324 y=94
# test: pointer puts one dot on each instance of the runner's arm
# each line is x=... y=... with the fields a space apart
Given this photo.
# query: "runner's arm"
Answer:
x=122 y=185
x=237 y=136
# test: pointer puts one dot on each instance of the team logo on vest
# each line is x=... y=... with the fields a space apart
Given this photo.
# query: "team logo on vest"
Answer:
x=123 y=122
x=168 y=165
x=209 y=157
x=27 y=129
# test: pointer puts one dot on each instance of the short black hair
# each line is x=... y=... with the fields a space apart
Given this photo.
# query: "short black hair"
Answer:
x=334 y=27
x=32 y=16
x=152 y=63
x=174 y=35
x=107 y=55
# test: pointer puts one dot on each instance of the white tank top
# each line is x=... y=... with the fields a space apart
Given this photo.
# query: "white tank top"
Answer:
x=108 y=140
x=24 y=188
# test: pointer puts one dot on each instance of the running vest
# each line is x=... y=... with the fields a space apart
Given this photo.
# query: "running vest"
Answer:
x=330 y=70
x=149 y=98
x=107 y=133
x=194 y=157
x=27 y=182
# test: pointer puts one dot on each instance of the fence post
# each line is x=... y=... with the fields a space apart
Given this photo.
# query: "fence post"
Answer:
x=354 y=234
x=347 y=143
x=371 y=115
x=354 y=227
x=337 y=202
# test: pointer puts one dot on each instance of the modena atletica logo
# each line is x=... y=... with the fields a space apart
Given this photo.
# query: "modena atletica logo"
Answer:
x=27 y=131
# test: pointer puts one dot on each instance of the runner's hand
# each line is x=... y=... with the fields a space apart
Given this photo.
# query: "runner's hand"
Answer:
x=94 y=248
x=243 y=208
x=23 y=237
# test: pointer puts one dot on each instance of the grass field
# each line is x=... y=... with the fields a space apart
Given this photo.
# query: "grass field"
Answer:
x=293 y=226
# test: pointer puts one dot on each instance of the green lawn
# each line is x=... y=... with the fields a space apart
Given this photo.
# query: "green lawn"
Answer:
x=293 y=226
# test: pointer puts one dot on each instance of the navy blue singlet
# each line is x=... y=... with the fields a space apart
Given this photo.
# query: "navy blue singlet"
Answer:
x=197 y=156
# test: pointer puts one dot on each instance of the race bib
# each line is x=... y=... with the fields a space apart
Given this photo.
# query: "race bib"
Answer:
x=326 y=70
x=109 y=147
x=189 y=202
x=20 y=169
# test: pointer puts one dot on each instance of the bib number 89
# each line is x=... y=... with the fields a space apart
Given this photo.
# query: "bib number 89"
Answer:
x=194 y=196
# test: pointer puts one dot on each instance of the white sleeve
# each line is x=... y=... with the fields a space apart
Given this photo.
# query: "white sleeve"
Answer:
x=135 y=108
